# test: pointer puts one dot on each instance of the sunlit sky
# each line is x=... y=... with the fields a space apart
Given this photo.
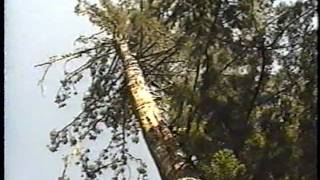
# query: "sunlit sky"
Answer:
x=35 y=30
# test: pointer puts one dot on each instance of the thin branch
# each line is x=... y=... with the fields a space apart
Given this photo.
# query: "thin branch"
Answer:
x=260 y=82
x=287 y=26
x=41 y=81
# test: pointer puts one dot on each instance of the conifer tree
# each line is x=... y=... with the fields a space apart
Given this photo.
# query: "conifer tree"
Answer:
x=198 y=79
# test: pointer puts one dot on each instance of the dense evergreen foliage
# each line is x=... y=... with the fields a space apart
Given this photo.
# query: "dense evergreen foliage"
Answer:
x=236 y=80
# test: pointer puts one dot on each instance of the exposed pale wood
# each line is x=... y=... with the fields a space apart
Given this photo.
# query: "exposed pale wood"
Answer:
x=160 y=141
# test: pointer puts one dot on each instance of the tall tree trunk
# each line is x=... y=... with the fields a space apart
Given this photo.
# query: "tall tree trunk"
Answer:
x=160 y=141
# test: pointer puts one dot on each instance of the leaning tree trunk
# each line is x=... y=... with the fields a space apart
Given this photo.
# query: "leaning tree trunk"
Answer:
x=159 y=139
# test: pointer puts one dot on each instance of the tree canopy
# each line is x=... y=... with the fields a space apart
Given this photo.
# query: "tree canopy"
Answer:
x=236 y=83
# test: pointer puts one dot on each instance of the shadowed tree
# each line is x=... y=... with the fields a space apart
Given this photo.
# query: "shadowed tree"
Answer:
x=242 y=96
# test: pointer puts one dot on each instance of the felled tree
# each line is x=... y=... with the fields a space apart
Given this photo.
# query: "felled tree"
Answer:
x=127 y=61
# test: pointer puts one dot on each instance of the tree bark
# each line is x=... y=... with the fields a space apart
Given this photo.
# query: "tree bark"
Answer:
x=167 y=154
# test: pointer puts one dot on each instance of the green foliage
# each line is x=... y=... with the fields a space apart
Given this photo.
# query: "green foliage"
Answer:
x=211 y=66
x=266 y=117
x=224 y=166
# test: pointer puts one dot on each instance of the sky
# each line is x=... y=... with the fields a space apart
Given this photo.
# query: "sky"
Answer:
x=34 y=31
